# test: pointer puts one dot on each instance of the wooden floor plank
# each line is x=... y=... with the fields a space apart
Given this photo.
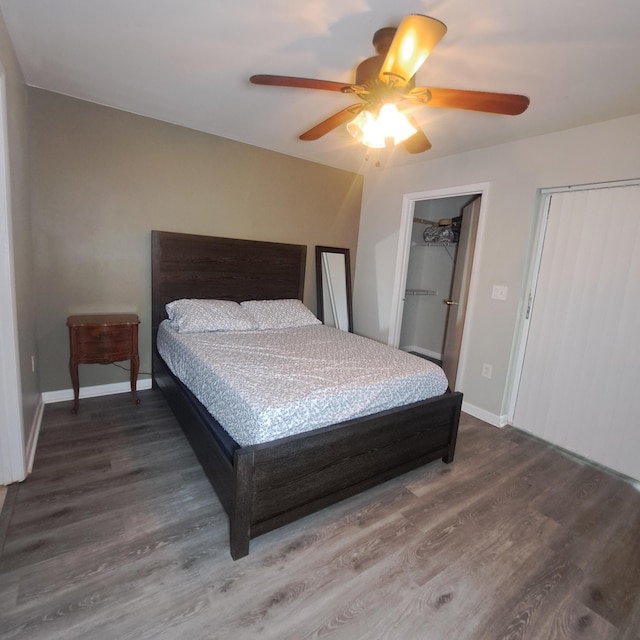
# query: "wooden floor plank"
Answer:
x=117 y=535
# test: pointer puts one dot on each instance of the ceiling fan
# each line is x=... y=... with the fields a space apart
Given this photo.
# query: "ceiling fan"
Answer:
x=385 y=84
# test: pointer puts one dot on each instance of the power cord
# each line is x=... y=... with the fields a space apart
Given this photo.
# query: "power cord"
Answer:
x=144 y=373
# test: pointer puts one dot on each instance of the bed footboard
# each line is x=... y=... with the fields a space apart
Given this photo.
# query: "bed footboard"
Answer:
x=277 y=483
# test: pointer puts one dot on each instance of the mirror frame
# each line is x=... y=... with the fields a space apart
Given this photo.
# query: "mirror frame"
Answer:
x=320 y=250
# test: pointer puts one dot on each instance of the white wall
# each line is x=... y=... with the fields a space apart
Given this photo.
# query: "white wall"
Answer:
x=515 y=172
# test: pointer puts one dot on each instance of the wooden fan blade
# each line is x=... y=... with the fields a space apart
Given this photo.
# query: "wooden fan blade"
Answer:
x=418 y=142
x=342 y=117
x=298 y=83
x=415 y=39
x=509 y=104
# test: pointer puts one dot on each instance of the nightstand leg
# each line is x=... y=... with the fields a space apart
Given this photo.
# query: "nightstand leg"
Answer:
x=135 y=365
x=75 y=382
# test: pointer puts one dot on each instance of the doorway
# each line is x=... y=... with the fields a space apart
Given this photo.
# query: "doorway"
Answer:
x=423 y=297
x=432 y=258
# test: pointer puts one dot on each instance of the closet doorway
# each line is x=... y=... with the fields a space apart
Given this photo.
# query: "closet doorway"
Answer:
x=435 y=266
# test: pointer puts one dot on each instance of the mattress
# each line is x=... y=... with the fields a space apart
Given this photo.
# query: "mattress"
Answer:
x=269 y=384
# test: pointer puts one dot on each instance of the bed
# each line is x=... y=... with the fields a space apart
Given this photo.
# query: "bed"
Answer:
x=264 y=486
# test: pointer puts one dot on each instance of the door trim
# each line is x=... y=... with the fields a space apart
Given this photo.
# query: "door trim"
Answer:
x=12 y=451
x=402 y=262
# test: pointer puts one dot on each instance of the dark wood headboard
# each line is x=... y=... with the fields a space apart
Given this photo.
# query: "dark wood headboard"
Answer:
x=194 y=266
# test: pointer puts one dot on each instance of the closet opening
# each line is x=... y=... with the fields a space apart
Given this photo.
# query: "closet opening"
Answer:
x=435 y=283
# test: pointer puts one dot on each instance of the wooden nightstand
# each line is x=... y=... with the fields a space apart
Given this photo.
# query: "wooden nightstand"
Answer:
x=103 y=339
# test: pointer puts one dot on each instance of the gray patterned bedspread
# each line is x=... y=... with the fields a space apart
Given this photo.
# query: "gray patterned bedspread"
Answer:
x=264 y=385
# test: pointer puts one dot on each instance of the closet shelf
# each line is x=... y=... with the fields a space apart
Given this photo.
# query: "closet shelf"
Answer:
x=440 y=243
x=421 y=292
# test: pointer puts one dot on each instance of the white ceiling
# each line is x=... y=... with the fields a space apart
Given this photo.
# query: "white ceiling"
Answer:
x=188 y=62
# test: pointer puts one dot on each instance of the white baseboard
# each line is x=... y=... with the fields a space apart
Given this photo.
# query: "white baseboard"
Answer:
x=93 y=392
x=476 y=412
x=482 y=414
x=422 y=351
x=34 y=433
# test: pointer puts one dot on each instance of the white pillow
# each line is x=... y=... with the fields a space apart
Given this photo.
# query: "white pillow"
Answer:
x=193 y=315
x=279 y=314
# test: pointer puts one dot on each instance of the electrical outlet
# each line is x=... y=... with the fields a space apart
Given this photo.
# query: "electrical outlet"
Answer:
x=487 y=370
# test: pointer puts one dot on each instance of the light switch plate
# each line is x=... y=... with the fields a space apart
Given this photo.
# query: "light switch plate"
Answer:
x=499 y=292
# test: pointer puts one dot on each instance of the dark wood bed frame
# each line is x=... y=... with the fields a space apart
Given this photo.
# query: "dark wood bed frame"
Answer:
x=265 y=486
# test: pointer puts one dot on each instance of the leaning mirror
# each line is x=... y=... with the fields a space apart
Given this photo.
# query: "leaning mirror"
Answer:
x=333 y=284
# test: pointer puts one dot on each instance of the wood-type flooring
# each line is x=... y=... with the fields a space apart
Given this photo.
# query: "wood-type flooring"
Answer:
x=117 y=535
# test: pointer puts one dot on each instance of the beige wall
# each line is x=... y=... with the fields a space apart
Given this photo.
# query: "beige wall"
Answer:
x=515 y=173
x=18 y=206
x=102 y=179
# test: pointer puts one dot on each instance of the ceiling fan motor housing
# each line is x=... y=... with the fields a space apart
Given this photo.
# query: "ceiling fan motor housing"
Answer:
x=369 y=69
x=382 y=39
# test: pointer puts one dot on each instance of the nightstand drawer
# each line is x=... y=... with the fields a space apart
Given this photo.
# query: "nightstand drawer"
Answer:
x=100 y=349
x=97 y=335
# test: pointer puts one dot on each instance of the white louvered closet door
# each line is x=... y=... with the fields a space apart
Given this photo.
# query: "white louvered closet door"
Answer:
x=580 y=380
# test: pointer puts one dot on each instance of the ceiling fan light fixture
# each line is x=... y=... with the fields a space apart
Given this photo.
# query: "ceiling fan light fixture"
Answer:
x=376 y=131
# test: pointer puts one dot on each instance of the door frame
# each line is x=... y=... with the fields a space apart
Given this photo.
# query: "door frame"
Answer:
x=402 y=262
x=12 y=457
x=533 y=270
